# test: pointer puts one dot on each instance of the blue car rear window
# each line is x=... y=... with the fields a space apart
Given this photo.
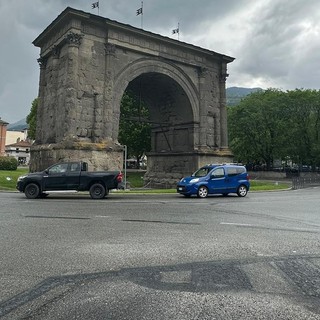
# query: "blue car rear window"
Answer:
x=234 y=171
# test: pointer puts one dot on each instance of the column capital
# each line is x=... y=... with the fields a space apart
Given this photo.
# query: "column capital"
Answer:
x=110 y=48
x=55 y=51
x=223 y=76
x=73 y=38
x=203 y=72
x=42 y=62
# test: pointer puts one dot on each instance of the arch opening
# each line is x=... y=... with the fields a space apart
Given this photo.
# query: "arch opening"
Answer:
x=170 y=112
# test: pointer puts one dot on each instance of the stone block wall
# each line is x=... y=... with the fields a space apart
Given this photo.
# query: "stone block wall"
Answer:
x=99 y=157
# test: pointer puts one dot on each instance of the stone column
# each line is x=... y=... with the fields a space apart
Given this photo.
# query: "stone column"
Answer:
x=202 y=108
x=72 y=83
x=215 y=132
x=223 y=107
x=110 y=129
x=52 y=113
x=41 y=94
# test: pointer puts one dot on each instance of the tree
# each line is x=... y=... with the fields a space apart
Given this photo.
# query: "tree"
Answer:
x=134 y=128
x=254 y=127
x=273 y=125
x=32 y=119
x=303 y=108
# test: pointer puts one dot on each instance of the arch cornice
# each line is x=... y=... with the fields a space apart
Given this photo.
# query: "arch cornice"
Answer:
x=157 y=65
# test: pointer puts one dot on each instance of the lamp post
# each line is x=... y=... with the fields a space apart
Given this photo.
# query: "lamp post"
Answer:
x=125 y=166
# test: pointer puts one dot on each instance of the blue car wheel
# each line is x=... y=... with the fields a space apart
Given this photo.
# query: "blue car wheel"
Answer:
x=242 y=191
x=202 y=192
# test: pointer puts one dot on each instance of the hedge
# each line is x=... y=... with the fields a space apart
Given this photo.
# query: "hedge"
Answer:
x=8 y=163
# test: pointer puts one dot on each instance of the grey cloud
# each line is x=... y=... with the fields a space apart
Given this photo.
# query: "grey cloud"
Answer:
x=192 y=15
x=276 y=41
x=277 y=44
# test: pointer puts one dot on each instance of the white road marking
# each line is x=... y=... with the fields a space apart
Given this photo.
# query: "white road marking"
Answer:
x=238 y=224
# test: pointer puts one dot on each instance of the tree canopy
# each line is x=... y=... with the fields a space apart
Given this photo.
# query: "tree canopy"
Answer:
x=32 y=119
x=273 y=124
x=134 y=128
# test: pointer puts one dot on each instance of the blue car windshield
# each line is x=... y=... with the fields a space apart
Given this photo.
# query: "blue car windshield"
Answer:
x=202 y=172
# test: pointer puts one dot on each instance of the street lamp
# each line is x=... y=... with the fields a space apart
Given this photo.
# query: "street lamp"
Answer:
x=125 y=165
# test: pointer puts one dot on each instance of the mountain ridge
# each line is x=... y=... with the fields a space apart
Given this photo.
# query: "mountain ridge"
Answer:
x=235 y=94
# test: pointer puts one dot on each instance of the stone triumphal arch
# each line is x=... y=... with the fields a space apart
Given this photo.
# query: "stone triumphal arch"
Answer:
x=87 y=62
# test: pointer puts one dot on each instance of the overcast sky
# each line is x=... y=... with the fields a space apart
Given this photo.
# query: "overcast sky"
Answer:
x=276 y=43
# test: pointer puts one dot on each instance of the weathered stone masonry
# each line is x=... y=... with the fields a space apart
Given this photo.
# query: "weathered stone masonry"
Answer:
x=86 y=64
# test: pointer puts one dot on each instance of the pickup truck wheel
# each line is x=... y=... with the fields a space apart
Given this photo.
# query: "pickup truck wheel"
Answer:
x=97 y=191
x=32 y=191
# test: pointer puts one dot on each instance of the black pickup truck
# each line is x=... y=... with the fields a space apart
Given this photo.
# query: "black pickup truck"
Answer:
x=69 y=177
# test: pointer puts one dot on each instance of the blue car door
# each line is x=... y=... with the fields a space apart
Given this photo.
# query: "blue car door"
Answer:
x=216 y=181
x=232 y=178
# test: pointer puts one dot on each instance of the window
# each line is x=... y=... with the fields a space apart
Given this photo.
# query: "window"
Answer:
x=58 y=168
x=234 y=171
x=217 y=173
x=75 y=167
x=202 y=172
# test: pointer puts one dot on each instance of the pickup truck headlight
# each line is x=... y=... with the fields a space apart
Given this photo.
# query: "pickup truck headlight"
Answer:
x=21 y=178
x=195 y=180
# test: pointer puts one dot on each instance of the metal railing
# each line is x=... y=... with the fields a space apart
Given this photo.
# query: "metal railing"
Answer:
x=305 y=182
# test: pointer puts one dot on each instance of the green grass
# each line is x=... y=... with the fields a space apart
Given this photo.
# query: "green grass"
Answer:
x=149 y=191
x=8 y=180
x=135 y=179
x=268 y=185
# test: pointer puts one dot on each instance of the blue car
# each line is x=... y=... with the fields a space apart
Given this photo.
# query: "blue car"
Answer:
x=216 y=179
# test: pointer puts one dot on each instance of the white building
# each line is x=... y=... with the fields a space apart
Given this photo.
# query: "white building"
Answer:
x=19 y=150
x=18 y=146
x=16 y=136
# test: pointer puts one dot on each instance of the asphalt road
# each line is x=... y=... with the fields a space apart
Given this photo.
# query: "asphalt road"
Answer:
x=161 y=257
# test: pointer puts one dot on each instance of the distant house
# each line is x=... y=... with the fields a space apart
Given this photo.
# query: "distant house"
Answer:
x=3 y=134
x=19 y=150
x=14 y=144
x=14 y=136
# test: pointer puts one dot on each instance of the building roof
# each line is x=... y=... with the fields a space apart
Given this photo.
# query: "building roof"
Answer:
x=20 y=144
x=3 y=123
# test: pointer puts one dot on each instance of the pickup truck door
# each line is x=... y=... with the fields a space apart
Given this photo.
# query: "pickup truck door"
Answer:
x=56 y=177
x=73 y=176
